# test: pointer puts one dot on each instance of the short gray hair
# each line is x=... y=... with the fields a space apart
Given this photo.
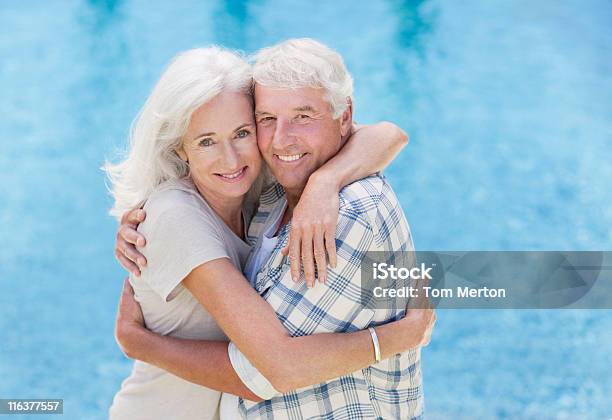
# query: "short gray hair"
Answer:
x=193 y=78
x=304 y=62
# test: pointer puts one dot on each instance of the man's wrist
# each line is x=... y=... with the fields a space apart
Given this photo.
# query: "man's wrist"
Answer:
x=132 y=338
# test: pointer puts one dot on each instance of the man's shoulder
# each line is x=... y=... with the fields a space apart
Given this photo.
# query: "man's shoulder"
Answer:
x=371 y=204
x=365 y=195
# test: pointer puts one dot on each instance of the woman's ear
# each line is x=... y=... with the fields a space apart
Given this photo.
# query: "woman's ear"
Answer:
x=346 y=119
x=181 y=153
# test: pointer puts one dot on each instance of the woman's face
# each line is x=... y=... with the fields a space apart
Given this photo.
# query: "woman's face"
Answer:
x=221 y=146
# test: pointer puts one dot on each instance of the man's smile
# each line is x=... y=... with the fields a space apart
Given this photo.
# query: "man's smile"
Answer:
x=290 y=158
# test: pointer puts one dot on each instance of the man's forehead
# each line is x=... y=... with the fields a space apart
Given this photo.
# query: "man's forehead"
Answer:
x=272 y=99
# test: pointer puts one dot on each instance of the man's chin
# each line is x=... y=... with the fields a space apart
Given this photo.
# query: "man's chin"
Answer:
x=291 y=182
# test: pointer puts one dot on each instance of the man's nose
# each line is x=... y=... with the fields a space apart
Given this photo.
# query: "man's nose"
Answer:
x=282 y=134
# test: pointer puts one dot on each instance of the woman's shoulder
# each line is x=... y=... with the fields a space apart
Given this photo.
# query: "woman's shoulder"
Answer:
x=175 y=197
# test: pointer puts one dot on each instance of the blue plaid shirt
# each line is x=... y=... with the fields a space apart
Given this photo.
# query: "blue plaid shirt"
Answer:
x=370 y=219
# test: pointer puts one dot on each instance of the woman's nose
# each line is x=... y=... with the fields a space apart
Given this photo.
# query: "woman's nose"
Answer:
x=231 y=156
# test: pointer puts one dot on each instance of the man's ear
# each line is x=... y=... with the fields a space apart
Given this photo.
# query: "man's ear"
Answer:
x=346 y=119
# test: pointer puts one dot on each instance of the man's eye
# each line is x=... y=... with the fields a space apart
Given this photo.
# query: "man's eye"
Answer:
x=206 y=142
x=266 y=119
x=302 y=117
x=242 y=134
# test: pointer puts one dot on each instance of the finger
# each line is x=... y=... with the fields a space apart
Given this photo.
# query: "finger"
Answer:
x=307 y=258
x=127 y=264
x=131 y=235
x=294 y=253
x=130 y=252
x=125 y=216
x=285 y=250
x=330 y=245
x=421 y=301
x=127 y=287
x=319 y=254
x=136 y=216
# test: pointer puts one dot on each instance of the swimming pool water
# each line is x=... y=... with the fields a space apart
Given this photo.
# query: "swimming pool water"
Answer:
x=508 y=106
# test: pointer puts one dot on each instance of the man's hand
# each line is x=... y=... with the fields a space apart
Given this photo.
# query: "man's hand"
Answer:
x=313 y=230
x=129 y=320
x=127 y=240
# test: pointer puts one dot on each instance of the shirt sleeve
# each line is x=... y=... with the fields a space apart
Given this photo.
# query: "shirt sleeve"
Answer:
x=180 y=237
x=339 y=305
x=249 y=375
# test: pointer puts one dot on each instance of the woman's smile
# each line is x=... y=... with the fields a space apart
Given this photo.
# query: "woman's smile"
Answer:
x=232 y=177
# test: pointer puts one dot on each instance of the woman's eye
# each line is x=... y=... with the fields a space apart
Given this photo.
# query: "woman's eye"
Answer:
x=266 y=119
x=302 y=116
x=242 y=134
x=206 y=142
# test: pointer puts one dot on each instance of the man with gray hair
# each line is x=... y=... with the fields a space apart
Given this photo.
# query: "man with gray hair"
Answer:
x=303 y=112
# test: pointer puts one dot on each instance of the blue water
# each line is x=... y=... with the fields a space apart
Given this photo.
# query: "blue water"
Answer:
x=509 y=108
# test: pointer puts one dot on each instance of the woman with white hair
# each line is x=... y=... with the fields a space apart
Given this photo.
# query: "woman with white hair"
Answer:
x=195 y=164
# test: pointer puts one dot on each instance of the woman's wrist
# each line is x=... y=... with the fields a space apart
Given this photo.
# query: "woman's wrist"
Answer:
x=321 y=180
x=395 y=337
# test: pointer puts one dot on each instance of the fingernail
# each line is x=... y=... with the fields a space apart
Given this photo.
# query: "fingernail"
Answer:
x=142 y=262
x=140 y=242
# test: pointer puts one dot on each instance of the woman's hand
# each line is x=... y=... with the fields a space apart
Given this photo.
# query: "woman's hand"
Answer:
x=420 y=317
x=129 y=319
x=312 y=238
x=127 y=239
x=419 y=323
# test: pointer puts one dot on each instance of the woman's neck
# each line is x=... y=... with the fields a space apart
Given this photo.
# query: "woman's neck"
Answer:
x=229 y=209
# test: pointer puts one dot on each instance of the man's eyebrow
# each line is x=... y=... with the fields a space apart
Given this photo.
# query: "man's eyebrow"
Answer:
x=305 y=108
x=257 y=113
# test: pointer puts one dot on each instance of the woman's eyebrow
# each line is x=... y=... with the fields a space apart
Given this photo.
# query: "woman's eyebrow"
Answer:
x=243 y=125
x=212 y=133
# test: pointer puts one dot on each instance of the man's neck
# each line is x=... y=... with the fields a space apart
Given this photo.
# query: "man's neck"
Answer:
x=293 y=197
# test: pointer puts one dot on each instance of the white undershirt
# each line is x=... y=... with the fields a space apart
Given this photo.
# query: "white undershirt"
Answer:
x=267 y=243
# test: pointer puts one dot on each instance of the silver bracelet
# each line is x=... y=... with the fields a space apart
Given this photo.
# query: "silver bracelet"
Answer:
x=376 y=344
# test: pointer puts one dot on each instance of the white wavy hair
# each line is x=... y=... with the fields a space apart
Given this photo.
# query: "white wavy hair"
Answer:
x=304 y=62
x=192 y=78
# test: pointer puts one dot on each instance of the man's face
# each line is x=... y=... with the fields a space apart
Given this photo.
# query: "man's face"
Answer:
x=296 y=132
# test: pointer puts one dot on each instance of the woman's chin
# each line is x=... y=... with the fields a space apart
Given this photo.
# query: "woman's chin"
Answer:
x=233 y=189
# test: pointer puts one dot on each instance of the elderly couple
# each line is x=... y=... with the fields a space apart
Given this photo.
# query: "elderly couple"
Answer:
x=243 y=299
